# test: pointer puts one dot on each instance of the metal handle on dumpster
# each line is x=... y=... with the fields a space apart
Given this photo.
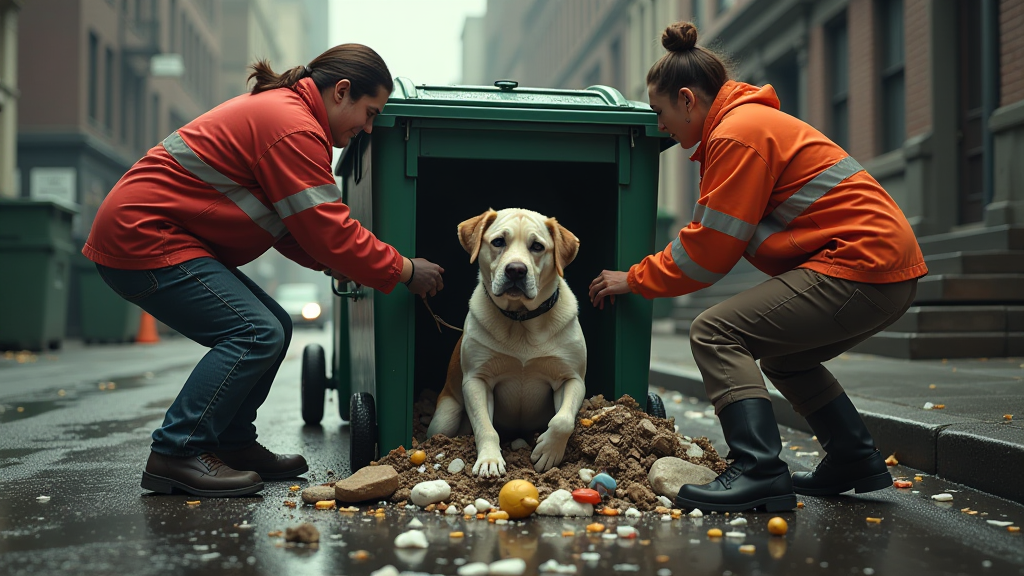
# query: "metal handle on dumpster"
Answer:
x=353 y=294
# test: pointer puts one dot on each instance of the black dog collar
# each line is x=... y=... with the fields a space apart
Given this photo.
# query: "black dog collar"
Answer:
x=525 y=315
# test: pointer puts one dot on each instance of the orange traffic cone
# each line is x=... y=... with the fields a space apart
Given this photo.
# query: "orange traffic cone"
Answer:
x=147 y=330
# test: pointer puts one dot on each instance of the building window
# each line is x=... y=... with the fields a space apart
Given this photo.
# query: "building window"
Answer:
x=94 y=72
x=108 y=91
x=839 y=81
x=893 y=92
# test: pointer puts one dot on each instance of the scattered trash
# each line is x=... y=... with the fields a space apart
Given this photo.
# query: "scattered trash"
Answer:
x=595 y=527
x=714 y=533
x=738 y=522
x=411 y=539
x=42 y=498
x=891 y=460
x=304 y=533
x=747 y=549
x=999 y=523
x=944 y=497
x=326 y=505
x=871 y=520
x=553 y=567
x=418 y=457
x=777 y=526
x=695 y=513
x=902 y=484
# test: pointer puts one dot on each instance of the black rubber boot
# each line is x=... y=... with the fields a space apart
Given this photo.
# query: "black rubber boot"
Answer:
x=851 y=460
x=757 y=476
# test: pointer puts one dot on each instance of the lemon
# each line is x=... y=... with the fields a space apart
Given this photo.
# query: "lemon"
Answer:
x=519 y=498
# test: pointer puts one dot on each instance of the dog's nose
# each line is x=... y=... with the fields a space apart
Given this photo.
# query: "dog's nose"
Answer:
x=515 y=271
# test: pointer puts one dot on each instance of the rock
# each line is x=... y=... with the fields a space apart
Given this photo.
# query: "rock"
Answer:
x=615 y=439
x=430 y=492
x=482 y=505
x=694 y=451
x=638 y=493
x=305 y=533
x=452 y=510
x=648 y=429
x=667 y=503
x=663 y=445
x=314 y=494
x=470 y=510
x=670 y=473
x=586 y=474
x=560 y=503
x=508 y=567
x=474 y=569
x=608 y=457
x=456 y=466
x=519 y=443
x=388 y=570
x=368 y=483
x=411 y=539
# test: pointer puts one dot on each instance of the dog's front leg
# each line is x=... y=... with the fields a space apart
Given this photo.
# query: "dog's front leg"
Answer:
x=550 y=447
x=479 y=399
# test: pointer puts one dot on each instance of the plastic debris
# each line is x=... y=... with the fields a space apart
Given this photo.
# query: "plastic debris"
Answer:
x=871 y=520
x=586 y=496
x=603 y=483
x=695 y=513
x=738 y=522
x=944 y=497
x=47 y=499
x=999 y=523
x=891 y=460
x=903 y=484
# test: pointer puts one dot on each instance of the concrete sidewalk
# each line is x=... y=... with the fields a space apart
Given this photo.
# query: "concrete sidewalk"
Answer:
x=968 y=441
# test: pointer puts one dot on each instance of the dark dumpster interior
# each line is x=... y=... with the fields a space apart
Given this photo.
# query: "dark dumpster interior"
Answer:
x=583 y=196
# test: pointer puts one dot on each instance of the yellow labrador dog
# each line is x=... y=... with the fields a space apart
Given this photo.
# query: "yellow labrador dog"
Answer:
x=520 y=363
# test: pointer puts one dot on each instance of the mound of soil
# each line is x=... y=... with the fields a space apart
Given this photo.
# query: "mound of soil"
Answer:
x=614 y=437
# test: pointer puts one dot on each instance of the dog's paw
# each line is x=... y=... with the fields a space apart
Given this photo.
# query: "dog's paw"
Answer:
x=549 y=451
x=489 y=464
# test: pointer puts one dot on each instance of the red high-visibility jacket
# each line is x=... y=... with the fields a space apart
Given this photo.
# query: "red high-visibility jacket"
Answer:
x=251 y=174
x=779 y=193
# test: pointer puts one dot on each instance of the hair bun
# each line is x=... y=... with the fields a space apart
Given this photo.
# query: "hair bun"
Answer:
x=679 y=37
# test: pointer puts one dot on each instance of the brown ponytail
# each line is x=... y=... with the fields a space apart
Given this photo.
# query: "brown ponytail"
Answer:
x=686 y=64
x=359 y=64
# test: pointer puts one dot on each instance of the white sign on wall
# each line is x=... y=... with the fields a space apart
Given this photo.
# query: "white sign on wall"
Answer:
x=54 y=184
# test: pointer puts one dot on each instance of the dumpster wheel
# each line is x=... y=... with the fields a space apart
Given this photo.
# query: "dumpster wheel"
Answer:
x=655 y=407
x=314 y=384
x=363 y=429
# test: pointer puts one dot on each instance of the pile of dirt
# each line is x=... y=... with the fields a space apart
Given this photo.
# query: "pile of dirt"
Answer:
x=617 y=438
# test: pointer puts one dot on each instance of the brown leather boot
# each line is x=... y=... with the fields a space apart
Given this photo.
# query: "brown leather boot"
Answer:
x=202 y=475
x=268 y=465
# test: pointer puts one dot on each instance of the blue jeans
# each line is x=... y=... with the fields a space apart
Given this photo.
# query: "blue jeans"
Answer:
x=247 y=333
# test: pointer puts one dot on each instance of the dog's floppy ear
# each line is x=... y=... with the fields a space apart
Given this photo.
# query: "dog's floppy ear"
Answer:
x=471 y=232
x=567 y=245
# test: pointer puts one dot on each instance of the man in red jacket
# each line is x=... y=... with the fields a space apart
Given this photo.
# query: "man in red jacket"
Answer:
x=251 y=174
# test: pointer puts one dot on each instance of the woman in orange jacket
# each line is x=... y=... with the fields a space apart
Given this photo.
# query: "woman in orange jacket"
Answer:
x=251 y=174
x=844 y=264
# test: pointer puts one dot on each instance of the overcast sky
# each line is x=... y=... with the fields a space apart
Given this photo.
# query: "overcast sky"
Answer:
x=418 y=39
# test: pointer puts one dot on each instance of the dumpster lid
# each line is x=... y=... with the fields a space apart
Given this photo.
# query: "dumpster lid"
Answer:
x=506 y=100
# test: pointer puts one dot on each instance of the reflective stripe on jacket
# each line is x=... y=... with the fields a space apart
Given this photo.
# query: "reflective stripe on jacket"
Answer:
x=779 y=193
x=251 y=174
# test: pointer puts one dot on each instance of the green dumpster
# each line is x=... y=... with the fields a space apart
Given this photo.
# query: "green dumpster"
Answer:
x=439 y=155
x=106 y=318
x=35 y=252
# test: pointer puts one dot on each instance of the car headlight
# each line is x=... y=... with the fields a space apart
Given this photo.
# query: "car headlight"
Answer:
x=311 y=311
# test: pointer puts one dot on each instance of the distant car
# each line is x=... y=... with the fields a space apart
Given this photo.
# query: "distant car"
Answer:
x=302 y=301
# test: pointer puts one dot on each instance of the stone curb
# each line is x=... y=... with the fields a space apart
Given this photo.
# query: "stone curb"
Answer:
x=986 y=456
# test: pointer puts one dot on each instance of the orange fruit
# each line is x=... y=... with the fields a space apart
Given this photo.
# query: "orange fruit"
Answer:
x=777 y=526
x=519 y=498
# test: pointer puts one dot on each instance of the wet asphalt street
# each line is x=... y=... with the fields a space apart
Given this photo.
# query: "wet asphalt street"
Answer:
x=83 y=442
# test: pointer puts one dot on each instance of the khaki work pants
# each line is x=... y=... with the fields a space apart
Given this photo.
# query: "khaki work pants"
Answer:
x=791 y=323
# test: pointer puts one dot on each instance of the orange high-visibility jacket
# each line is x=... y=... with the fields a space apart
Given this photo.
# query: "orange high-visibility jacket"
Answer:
x=251 y=174
x=779 y=193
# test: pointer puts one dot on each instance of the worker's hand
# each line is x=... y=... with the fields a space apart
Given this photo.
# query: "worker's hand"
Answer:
x=426 y=278
x=608 y=283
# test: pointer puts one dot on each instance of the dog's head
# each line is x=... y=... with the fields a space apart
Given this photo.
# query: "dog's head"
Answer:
x=519 y=250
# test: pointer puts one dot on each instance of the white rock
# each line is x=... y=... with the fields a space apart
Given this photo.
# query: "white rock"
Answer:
x=430 y=492
x=625 y=531
x=456 y=466
x=928 y=406
x=388 y=570
x=695 y=513
x=439 y=457
x=470 y=510
x=667 y=503
x=668 y=475
x=738 y=522
x=411 y=539
x=437 y=466
x=590 y=556
x=610 y=536
x=42 y=498
x=586 y=474
x=415 y=524
x=519 y=443
x=694 y=451
x=942 y=497
x=632 y=513
x=560 y=503
x=474 y=569
x=735 y=534
x=666 y=518
x=452 y=511
x=508 y=567
x=553 y=567
x=999 y=523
